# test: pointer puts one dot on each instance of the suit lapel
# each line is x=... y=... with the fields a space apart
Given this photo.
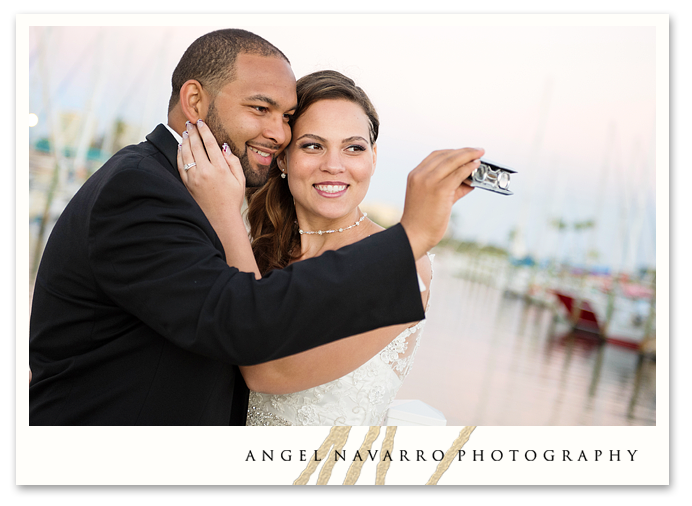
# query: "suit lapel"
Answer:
x=166 y=143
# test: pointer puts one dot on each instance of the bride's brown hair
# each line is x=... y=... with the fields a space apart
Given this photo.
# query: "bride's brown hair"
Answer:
x=271 y=212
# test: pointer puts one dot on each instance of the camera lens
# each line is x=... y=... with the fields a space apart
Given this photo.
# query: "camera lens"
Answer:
x=503 y=180
x=480 y=173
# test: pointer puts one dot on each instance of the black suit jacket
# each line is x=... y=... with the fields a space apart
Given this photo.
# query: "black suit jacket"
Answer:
x=137 y=320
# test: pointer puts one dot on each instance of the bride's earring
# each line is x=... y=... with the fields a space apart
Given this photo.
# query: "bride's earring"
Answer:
x=281 y=162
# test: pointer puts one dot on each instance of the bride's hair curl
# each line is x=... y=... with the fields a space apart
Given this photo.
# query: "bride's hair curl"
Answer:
x=271 y=212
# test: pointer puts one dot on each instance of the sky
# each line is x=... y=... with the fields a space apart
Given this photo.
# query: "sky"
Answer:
x=570 y=106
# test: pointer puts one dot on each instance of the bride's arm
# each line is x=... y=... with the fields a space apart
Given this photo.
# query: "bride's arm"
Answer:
x=328 y=362
x=217 y=183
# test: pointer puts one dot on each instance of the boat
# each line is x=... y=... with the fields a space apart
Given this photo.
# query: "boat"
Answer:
x=621 y=317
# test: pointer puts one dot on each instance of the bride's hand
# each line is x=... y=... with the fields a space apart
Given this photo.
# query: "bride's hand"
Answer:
x=216 y=180
x=214 y=177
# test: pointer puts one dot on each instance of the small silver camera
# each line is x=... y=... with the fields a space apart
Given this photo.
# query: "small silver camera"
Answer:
x=491 y=176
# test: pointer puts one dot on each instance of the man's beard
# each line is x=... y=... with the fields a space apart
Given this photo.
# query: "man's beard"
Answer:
x=254 y=177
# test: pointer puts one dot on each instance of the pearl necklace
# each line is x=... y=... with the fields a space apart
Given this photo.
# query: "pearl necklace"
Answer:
x=320 y=232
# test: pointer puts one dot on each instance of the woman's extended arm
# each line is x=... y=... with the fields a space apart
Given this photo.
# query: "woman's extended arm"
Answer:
x=328 y=362
x=216 y=181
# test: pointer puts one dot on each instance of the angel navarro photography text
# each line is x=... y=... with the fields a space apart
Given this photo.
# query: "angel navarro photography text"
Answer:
x=548 y=455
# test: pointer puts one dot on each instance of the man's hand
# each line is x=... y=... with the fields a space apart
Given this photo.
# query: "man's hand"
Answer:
x=432 y=188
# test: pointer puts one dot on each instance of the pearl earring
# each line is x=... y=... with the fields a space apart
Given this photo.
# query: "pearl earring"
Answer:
x=283 y=175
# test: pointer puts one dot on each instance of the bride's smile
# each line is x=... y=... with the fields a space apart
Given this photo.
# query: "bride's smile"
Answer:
x=331 y=189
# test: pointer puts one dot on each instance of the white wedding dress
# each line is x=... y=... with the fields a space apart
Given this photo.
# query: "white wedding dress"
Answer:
x=361 y=397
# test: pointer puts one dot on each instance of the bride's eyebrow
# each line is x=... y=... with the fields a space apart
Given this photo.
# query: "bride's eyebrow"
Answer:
x=312 y=136
x=322 y=139
x=355 y=138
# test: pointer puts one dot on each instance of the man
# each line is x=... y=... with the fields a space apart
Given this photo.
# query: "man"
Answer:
x=137 y=319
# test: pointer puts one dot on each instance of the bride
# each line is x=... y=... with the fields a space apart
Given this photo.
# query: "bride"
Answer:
x=309 y=205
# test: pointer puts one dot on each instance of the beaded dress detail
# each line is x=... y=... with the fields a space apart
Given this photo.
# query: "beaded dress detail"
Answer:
x=361 y=397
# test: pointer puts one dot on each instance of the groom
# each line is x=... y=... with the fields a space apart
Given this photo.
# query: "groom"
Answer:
x=136 y=318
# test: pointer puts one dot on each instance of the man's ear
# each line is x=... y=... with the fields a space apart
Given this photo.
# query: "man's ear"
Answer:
x=194 y=101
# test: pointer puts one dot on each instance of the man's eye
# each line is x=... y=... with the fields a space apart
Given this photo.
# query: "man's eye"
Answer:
x=288 y=117
x=260 y=108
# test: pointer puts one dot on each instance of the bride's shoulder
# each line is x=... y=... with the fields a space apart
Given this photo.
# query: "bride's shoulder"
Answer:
x=424 y=268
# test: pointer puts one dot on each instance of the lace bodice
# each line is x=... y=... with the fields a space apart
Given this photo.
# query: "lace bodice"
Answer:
x=361 y=397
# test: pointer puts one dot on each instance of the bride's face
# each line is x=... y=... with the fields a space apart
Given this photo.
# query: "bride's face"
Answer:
x=330 y=161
